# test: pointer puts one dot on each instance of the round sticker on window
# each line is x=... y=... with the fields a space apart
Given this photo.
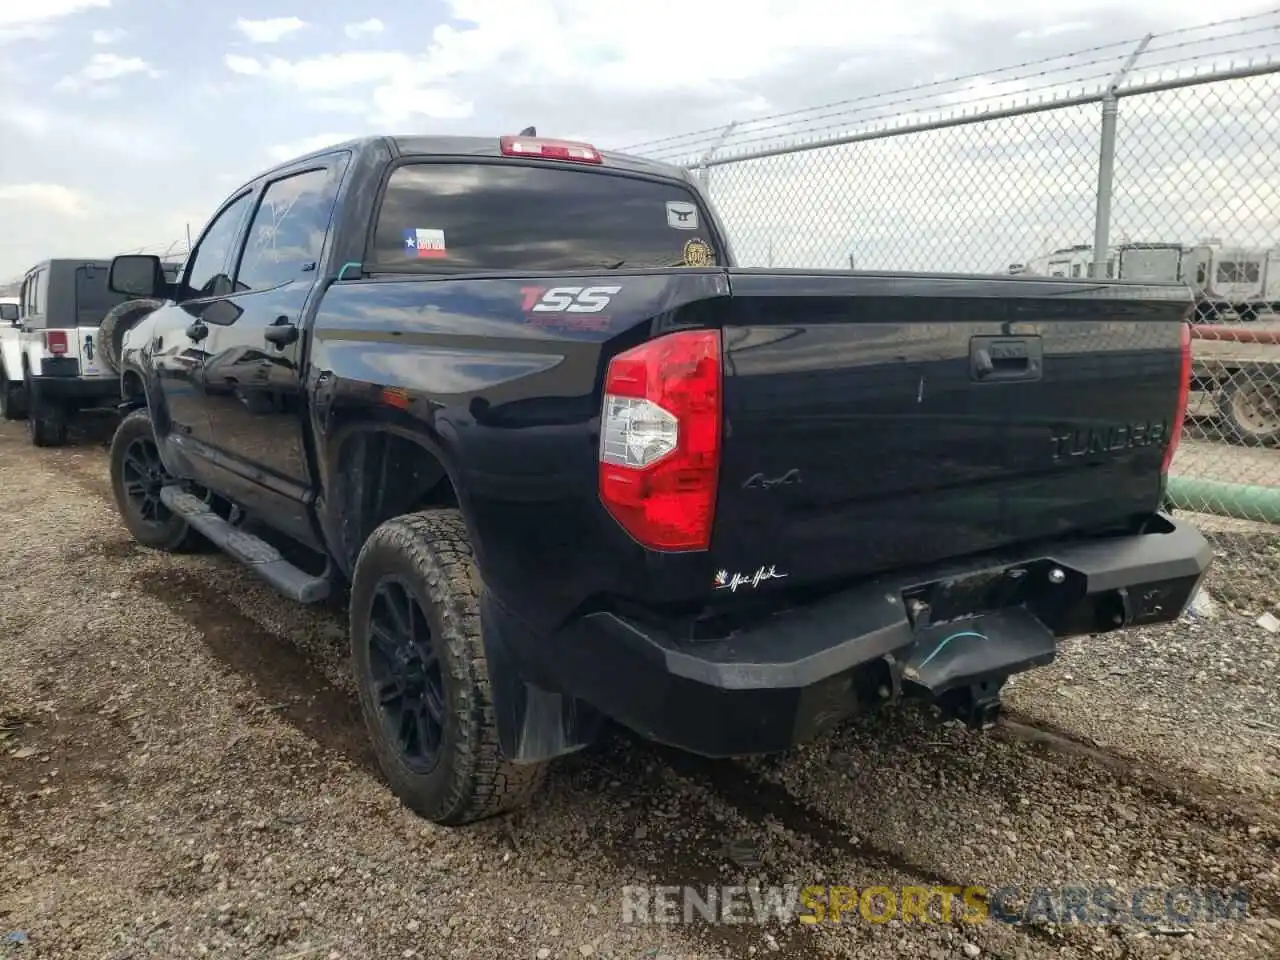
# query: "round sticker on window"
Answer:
x=697 y=253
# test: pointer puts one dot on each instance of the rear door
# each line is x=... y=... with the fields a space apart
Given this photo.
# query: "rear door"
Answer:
x=875 y=422
x=93 y=299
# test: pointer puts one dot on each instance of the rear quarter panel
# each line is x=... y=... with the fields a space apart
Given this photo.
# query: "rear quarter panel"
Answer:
x=508 y=399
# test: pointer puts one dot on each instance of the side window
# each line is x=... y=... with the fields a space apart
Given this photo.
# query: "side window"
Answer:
x=207 y=274
x=288 y=230
x=1075 y=269
x=42 y=292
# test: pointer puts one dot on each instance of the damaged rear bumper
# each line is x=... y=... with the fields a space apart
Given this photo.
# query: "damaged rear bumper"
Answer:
x=952 y=634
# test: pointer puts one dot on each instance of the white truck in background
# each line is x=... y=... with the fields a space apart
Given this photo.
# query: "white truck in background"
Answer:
x=52 y=362
x=1230 y=282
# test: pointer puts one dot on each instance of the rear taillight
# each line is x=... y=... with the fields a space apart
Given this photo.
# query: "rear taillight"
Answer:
x=550 y=149
x=660 y=439
x=55 y=342
x=1184 y=397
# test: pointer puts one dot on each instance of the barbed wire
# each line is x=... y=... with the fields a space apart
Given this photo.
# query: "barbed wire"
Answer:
x=1186 y=51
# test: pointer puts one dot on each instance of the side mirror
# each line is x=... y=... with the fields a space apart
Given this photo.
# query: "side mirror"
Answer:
x=9 y=313
x=137 y=275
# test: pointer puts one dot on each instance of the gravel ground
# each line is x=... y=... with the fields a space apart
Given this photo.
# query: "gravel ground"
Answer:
x=183 y=773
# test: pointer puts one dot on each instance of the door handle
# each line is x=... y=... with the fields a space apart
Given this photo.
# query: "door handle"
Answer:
x=281 y=333
x=197 y=331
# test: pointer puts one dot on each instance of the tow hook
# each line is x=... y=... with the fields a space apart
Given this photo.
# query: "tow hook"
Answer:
x=977 y=706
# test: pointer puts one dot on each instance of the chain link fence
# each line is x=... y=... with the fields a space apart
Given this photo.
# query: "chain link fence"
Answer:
x=1156 y=159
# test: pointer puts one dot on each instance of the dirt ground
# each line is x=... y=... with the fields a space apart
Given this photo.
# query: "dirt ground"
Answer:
x=183 y=773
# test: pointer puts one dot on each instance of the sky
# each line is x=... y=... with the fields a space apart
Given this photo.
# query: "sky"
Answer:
x=125 y=122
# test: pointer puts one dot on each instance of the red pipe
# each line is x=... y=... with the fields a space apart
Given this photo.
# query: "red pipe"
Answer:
x=1234 y=334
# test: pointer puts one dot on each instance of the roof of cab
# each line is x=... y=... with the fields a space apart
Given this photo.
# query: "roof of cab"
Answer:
x=76 y=261
x=425 y=146
x=419 y=145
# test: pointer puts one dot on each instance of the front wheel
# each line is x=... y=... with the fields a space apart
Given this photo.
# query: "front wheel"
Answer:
x=137 y=476
x=421 y=672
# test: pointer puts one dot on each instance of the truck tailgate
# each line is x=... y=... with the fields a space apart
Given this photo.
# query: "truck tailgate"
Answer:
x=874 y=422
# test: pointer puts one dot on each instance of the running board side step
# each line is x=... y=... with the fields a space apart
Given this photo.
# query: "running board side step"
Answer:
x=254 y=552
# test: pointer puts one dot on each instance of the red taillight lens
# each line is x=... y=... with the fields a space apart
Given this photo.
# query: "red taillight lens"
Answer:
x=1184 y=397
x=55 y=341
x=660 y=440
x=550 y=149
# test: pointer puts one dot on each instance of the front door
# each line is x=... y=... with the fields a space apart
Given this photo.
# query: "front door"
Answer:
x=252 y=375
x=177 y=343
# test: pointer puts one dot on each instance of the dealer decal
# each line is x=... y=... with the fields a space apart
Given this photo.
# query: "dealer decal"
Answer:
x=697 y=253
x=682 y=215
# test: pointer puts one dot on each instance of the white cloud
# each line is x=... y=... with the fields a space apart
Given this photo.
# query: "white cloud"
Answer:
x=107 y=37
x=1053 y=30
x=241 y=64
x=497 y=48
x=15 y=14
x=20 y=21
x=287 y=151
x=44 y=197
x=364 y=28
x=107 y=66
x=585 y=68
x=392 y=99
x=272 y=30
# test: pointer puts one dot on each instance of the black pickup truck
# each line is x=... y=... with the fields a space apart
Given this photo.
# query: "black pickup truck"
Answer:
x=573 y=465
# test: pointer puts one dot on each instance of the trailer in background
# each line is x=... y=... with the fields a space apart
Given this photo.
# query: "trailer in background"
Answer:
x=1231 y=283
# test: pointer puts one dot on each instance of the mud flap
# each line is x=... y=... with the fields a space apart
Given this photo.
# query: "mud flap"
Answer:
x=533 y=723
x=964 y=663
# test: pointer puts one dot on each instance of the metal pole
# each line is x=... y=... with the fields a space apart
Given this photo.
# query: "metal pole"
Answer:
x=1107 y=162
x=704 y=171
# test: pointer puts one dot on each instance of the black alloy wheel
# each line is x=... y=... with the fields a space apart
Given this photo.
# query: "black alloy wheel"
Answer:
x=406 y=675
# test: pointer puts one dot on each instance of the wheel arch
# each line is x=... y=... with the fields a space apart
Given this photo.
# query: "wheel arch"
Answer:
x=377 y=471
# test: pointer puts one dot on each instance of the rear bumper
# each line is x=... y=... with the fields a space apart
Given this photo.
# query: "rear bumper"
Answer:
x=935 y=633
x=60 y=379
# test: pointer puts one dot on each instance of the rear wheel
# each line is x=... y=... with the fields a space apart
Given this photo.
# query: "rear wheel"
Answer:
x=1252 y=409
x=11 y=399
x=137 y=476
x=421 y=672
x=46 y=422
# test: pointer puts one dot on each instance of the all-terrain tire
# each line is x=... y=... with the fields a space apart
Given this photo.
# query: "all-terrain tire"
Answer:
x=12 y=402
x=429 y=553
x=46 y=423
x=119 y=320
x=166 y=531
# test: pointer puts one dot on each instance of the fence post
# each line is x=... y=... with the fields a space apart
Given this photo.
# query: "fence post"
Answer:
x=1107 y=161
x=703 y=172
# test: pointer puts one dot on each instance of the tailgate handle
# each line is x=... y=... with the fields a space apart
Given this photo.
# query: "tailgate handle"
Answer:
x=1001 y=359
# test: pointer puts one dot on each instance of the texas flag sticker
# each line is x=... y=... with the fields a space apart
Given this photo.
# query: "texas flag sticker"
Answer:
x=424 y=243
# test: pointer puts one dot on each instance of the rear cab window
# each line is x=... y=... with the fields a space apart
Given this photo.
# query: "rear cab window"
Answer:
x=93 y=297
x=451 y=217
